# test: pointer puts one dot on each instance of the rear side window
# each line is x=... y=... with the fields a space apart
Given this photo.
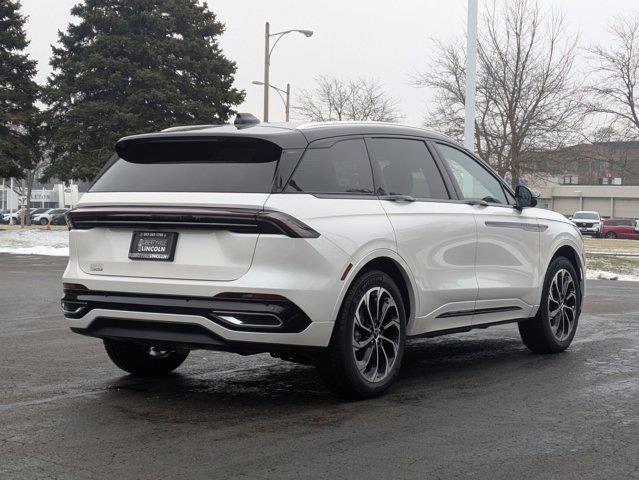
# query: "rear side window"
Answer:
x=341 y=168
x=243 y=166
x=407 y=168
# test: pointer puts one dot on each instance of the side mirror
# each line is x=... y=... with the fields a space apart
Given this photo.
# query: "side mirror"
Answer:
x=525 y=197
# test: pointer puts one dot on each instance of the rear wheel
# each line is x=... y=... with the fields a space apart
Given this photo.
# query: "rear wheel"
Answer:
x=611 y=235
x=554 y=326
x=144 y=359
x=44 y=221
x=367 y=346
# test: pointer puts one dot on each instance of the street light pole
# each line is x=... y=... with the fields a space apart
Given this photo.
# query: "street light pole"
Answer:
x=267 y=61
x=288 y=100
x=471 y=76
x=268 y=49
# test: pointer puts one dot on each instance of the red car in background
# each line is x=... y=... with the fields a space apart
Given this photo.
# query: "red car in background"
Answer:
x=620 y=228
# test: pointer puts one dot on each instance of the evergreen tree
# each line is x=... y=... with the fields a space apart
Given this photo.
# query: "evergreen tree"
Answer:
x=133 y=66
x=18 y=93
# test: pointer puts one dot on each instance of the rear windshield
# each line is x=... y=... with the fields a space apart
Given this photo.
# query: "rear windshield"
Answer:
x=243 y=165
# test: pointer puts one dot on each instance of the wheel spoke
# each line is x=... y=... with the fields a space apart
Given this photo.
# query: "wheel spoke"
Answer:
x=363 y=364
x=359 y=323
x=359 y=344
x=391 y=342
x=377 y=312
x=376 y=371
x=386 y=361
x=554 y=313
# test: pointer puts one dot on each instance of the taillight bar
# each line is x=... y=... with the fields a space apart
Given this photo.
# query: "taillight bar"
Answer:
x=241 y=220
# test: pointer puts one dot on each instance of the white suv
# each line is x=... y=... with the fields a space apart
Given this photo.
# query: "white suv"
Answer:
x=327 y=243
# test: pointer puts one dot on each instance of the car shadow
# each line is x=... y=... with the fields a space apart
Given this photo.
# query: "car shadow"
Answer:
x=285 y=388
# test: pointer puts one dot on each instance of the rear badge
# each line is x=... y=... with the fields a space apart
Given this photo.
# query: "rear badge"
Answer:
x=95 y=267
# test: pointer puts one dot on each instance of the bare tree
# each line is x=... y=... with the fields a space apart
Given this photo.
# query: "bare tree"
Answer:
x=615 y=88
x=527 y=98
x=336 y=99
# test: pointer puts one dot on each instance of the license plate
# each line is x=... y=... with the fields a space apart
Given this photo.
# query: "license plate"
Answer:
x=159 y=246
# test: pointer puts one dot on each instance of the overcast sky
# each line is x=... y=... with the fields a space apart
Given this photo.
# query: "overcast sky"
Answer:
x=383 y=39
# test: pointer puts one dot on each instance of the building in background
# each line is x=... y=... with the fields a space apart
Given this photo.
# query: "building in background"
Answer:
x=602 y=177
x=43 y=195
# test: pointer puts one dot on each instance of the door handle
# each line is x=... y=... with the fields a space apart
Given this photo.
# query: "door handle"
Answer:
x=479 y=203
x=399 y=198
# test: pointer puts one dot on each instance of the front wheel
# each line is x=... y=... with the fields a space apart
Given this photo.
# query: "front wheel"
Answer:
x=367 y=346
x=611 y=235
x=44 y=221
x=554 y=326
x=143 y=359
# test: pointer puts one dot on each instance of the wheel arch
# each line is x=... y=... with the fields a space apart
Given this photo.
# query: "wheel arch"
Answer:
x=390 y=263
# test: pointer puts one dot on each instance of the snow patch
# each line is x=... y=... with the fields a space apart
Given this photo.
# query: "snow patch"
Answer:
x=35 y=242
x=603 y=275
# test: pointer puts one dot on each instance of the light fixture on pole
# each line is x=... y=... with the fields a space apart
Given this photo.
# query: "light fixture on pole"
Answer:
x=268 y=50
x=471 y=76
x=286 y=98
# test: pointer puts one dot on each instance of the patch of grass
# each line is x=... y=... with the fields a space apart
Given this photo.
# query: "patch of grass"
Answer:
x=618 y=265
x=610 y=245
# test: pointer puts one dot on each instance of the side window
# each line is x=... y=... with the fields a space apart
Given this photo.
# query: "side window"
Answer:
x=341 y=168
x=407 y=168
x=474 y=180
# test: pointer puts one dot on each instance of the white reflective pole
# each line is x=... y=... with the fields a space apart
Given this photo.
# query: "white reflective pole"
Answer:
x=471 y=76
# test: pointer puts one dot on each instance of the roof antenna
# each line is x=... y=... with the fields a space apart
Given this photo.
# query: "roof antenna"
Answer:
x=244 y=120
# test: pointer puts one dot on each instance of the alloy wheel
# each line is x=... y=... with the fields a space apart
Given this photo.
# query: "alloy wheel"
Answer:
x=562 y=305
x=376 y=334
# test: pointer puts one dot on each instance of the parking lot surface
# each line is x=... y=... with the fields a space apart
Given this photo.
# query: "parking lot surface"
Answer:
x=474 y=405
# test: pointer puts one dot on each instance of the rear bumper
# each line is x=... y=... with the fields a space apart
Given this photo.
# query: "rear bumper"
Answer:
x=194 y=322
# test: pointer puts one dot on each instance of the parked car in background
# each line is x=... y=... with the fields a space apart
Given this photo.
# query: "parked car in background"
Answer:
x=59 y=218
x=38 y=211
x=588 y=223
x=11 y=218
x=45 y=218
x=620 y=228
x=327 y=243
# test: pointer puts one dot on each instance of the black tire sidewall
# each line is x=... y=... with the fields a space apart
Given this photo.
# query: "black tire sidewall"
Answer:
x=343 y=339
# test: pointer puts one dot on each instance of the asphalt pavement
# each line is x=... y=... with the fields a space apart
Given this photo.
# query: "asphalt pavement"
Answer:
x=473 y=405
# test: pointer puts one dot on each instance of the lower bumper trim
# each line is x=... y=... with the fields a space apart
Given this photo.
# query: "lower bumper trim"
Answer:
x=177 y=335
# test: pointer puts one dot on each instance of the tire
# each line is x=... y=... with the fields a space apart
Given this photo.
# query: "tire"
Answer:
x=363 y=372
x=553 y=334
x=44 y=221
x=142 y=359
x=611 y=235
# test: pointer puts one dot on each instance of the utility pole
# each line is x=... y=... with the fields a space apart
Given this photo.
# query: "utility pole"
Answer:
x=471 y=76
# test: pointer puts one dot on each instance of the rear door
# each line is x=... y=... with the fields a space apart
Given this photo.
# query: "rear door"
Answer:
x=203 y=194
x=435 y=236
x=332 y=191
x=507 y=266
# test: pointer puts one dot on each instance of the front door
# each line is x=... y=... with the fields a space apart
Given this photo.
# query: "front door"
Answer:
x=507 y=261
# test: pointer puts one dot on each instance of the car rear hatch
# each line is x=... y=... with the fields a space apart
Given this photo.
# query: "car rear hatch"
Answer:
x=177 y=208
